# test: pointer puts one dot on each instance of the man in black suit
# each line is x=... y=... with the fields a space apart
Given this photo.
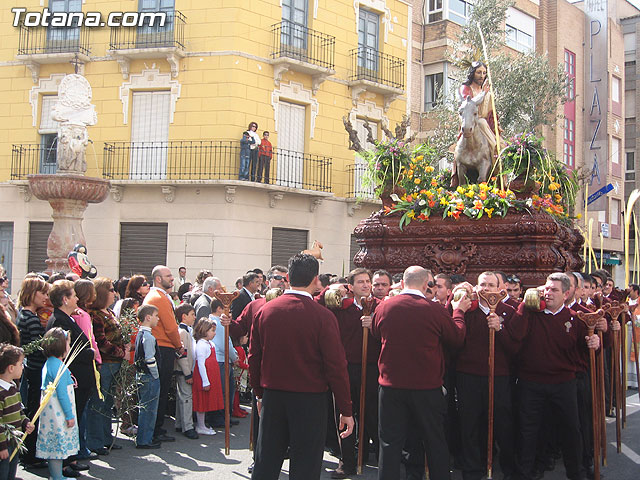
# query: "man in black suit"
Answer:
x=250 y=285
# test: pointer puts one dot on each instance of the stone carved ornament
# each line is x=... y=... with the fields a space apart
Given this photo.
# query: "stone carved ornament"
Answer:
x=74 y=112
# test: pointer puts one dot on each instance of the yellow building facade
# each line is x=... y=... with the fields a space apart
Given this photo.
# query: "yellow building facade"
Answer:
x=172 y=104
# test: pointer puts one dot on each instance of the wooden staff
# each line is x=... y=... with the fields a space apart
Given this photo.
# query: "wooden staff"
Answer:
x=492 y=300
x=623 y=365
x=254 y=406
x=590 y=320
x=615 y=309
x=634 y=339
x=226 y=299
x=601 y=401
x=368 y=305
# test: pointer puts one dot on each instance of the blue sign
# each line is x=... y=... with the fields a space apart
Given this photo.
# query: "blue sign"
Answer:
x=596 y=195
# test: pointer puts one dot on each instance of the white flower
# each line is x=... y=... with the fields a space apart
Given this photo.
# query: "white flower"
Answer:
x=395 y=197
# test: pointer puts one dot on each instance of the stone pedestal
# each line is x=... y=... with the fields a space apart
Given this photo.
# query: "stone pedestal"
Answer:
x=68 y=196
x=531 y=245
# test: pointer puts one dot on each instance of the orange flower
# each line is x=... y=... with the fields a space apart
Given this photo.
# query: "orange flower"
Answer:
x=482 y=196
x=478 y=205
x=455 y=214
x=387 y=209
x=460 y=206
x=422 y=217
x=434 y=183
x=431 y=204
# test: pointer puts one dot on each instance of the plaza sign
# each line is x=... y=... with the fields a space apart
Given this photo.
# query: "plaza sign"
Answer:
x=596 y=195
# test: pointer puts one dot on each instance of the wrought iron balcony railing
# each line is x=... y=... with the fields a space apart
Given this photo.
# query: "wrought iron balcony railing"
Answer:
x=377 y=67
x=296 y=41
x=357 y=186
x=30 y=159
x=171 y=34
x=47 y=40
x=211 y=160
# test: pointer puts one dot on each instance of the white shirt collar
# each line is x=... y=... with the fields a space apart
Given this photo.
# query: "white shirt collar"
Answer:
x=298 y=292
x=6 y=385
x=412 y=291
x=252 y=295
x=633 y=302
x=144 y=327
x=572 y=303
x=549 y=312
x=164 y=292
x=485 y=310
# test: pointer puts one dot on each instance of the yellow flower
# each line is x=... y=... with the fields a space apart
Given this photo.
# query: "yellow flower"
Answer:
x=469 y=194
x=443 y=201
x=419 y=157
x=411 y=214
x=460 y=190
x=489 y=212
x=579 y=216
x=417 y=181
x=429 y=169
x=434 y=183
x=554 y=186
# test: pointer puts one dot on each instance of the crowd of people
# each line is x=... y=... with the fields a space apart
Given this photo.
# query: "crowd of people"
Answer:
x=425 y=384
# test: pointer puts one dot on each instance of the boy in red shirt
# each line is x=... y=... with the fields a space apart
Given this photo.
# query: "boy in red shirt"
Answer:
x=265 y=152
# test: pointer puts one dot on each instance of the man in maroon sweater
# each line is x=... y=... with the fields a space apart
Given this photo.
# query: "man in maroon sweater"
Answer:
x=351 y=323
x=547 y=375
x=295 y=356
x=413 y=332
x=472 y=384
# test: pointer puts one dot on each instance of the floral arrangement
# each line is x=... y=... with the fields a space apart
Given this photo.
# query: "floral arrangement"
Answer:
x=425 y=191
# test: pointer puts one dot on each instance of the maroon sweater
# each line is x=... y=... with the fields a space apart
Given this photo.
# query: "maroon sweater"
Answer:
x=351 y=332
x=549 y=345
x=412 y=331
x=241 y=326
x=295 y=346
x=474 y=356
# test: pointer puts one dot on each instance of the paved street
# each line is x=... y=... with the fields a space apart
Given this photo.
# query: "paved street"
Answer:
x=199 y=459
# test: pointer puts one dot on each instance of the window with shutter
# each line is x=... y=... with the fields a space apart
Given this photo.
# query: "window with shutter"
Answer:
x=290 y=152
x=149 y=135
x=38 y=237
x=48 y=131
x=286 y=242
x=142 y=247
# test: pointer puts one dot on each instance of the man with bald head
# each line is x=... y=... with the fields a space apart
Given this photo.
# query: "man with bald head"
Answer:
x=168 y=338
x=413 y=332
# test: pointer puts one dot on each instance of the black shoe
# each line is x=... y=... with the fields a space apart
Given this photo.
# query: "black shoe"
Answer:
x=115 y=446
x=178 y=430
x=234 y=422
x=164 y=438
x=35 y=465
x=100 y=451
x=161 y=430
x=79 y=467
x=90 y=456
x=192 y=434
x=216 y=425
x=150 y=446
x=250 y=469
x=70 y=472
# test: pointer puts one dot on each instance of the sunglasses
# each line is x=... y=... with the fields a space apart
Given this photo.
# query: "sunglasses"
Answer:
x=513 y=279
x=145 y=284
x=3 y=279
x=430 y=284
x=278 y=277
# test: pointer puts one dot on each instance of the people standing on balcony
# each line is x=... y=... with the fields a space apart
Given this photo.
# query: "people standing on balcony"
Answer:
x=253 y=149
x=265 y=152
x=245 y=155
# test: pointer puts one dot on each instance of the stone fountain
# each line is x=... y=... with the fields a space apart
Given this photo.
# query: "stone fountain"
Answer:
x=69 y=191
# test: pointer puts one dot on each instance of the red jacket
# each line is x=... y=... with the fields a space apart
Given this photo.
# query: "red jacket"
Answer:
x=413 y=332
x=295 y=346
x=265 y=148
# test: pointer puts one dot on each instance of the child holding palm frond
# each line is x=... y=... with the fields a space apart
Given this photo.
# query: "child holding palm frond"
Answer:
x=57 y=431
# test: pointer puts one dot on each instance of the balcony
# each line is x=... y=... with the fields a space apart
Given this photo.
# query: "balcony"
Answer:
x=31 y=159
x=203 y=160
x=130 y=43
x=301 y=49
x=359 y=193
x=40 y=45
x=376 y=72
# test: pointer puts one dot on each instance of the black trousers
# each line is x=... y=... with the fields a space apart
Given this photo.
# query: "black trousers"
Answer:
x=253 y=164
x=165 y=357
x=264 y=162
x=423 y=409
x=585 y=416
x=562 y=399
x=34 y=385
x=295 y=420
x=348 y=445
x=473 y=406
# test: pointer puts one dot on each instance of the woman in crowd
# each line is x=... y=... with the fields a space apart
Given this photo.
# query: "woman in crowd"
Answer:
x=137 y=288
x=112 y=350
x=34 y=296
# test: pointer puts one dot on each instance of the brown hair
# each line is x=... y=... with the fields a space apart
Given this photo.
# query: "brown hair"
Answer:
x=103 y=287
x=9 y=355
x=144 y=311
x=357 y=271
x=85 y=292
x=30 y=286
x=54 y=342
x=251 y=125
x=135 y=282
x=204 y=325
x=183 y=309
x=59 y=290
